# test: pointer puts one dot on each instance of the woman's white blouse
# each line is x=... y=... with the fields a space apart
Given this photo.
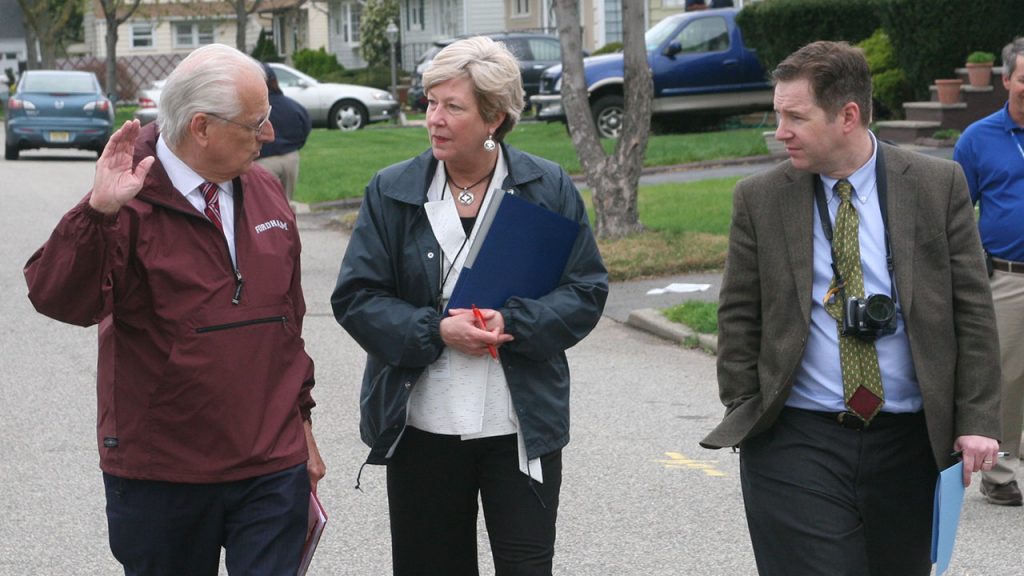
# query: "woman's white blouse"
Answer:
x=462 y=394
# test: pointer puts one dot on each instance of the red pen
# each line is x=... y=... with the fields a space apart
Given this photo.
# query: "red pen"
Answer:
x=483 y=326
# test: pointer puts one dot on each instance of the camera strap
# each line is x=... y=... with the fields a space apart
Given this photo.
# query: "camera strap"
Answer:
x=881 y=185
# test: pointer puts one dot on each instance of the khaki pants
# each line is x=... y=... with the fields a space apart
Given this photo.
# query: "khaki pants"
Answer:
x=1008 y=297
x=285 y=167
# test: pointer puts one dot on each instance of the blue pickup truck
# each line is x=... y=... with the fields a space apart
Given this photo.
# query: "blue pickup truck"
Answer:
x=699 y=65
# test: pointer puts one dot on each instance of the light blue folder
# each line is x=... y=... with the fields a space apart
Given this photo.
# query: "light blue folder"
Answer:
x=949 y=499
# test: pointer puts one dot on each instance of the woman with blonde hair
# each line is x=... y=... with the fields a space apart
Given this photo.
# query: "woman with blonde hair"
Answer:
x=450 y=423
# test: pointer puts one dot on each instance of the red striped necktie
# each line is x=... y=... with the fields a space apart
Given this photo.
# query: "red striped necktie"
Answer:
x=210 y=192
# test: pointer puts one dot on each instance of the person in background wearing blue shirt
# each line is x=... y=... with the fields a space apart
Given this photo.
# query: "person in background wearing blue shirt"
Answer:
x=292 y=126
x=991 y=152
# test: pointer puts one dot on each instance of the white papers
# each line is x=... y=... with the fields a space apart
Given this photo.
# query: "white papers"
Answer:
x=678 y=288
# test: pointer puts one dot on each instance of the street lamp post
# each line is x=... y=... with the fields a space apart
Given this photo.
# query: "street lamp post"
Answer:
x=392 y=35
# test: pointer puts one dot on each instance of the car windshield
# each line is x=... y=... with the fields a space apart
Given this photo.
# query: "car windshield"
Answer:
x=57 y=82
x=659 y=33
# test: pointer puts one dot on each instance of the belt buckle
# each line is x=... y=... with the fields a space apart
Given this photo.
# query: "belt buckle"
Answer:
x=850 y=421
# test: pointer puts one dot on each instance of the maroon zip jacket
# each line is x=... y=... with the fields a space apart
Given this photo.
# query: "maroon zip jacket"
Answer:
x=202 y=375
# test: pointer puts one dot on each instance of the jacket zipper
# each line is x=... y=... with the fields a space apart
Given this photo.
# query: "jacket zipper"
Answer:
x=237 y=297
x=232 y=325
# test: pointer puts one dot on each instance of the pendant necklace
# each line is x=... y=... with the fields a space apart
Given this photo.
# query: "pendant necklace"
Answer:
x=466 y=198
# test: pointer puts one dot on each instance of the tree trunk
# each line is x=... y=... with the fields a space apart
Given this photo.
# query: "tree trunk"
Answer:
x=113 y=20
x=31 y=55
x=614 y=179
x=241 y=19
x=110 y=83
x=45 y=25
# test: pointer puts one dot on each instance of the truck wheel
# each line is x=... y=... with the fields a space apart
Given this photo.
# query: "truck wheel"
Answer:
x=608 y=113
x=11 y=152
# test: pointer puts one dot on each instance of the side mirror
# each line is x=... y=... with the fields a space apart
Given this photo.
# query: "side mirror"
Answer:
x=673 y=48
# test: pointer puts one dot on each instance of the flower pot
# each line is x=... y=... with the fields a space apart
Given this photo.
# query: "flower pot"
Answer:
x=979 y=74
x=948 y=90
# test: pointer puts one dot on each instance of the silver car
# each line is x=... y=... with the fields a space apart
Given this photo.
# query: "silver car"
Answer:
x=342 y=106
x=148 y=100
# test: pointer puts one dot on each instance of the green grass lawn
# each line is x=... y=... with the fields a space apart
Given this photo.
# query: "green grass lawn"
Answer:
x=701 y=316
x=687 y=230
x=122 y=114
x=338 y=165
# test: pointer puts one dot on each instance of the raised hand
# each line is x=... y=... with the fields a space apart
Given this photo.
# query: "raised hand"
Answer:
x=116 y=183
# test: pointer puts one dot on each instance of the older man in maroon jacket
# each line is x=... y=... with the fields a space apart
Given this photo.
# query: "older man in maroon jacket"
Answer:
x=187 y=256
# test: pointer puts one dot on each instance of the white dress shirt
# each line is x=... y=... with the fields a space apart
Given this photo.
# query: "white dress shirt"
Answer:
x=462 y=394
x=187 y=182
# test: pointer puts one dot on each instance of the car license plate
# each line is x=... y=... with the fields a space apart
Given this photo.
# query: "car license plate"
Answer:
x=60 y=136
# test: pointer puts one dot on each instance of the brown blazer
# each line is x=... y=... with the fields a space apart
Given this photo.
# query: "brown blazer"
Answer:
x=765 y=301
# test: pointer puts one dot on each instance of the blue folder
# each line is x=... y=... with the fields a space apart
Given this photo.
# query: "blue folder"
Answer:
x=522 y=251
x=949 y=499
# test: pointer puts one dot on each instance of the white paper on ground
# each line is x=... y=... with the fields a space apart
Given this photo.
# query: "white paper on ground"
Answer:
x=678 y=288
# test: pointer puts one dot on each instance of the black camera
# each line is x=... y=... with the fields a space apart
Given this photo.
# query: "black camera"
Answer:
x=869 y=318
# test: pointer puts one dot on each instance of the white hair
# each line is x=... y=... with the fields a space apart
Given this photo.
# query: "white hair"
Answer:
x=205 y=81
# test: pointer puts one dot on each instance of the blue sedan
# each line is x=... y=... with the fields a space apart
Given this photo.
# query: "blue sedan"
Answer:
x=57 y=109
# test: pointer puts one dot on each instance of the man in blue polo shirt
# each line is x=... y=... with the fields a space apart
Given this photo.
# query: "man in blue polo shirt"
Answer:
x=991 y=152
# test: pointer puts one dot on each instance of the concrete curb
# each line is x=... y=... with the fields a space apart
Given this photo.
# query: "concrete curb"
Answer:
x=654 y=322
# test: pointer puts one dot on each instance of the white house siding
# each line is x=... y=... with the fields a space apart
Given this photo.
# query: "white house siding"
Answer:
x=444 y=19
x=346 y=51
x=317 y=24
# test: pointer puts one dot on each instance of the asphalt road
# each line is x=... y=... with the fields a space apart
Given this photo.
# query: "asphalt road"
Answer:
x=639 y=496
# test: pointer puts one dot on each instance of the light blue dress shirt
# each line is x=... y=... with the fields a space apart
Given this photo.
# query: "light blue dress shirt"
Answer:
x=818 y=384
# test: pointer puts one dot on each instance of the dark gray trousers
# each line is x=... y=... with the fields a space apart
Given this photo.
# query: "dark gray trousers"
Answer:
x=826 y=500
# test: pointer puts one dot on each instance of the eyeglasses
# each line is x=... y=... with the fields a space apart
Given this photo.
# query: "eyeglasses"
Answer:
x=256 y=128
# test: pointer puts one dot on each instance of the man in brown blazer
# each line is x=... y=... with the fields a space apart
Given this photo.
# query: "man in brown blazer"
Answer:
x=838 y=459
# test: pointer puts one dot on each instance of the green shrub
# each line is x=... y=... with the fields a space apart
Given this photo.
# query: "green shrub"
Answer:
x=888 y=81
x=778 y=28
x=609 y=48
x=265 y=50
x=316 y=63
x=947 y=134
x=930 y=37
x=376 y=77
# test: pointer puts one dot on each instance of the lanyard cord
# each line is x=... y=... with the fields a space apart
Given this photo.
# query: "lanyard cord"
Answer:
x=881 y=185
x=443 y=275
x=1013 y=135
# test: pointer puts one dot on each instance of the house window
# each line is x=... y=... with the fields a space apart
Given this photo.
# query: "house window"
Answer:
x=414 y=14
x=353 y=14
x=520 y=8
x=192 y=34
x=142 y=35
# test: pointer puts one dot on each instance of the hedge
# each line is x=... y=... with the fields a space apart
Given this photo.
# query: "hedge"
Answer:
x=932 y=38
x=778 y=28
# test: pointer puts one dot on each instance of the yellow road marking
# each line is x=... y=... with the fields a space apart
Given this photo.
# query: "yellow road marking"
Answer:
x=677 y=460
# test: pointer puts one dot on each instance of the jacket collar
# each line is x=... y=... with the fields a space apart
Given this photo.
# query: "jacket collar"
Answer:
x=158 y=189
x=414 y=177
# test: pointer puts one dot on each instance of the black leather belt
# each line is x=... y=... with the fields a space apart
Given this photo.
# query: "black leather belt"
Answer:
x=851 y=421
x=1008 y=266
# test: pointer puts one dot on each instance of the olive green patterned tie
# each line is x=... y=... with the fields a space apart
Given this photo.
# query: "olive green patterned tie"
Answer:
x=858 y=359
